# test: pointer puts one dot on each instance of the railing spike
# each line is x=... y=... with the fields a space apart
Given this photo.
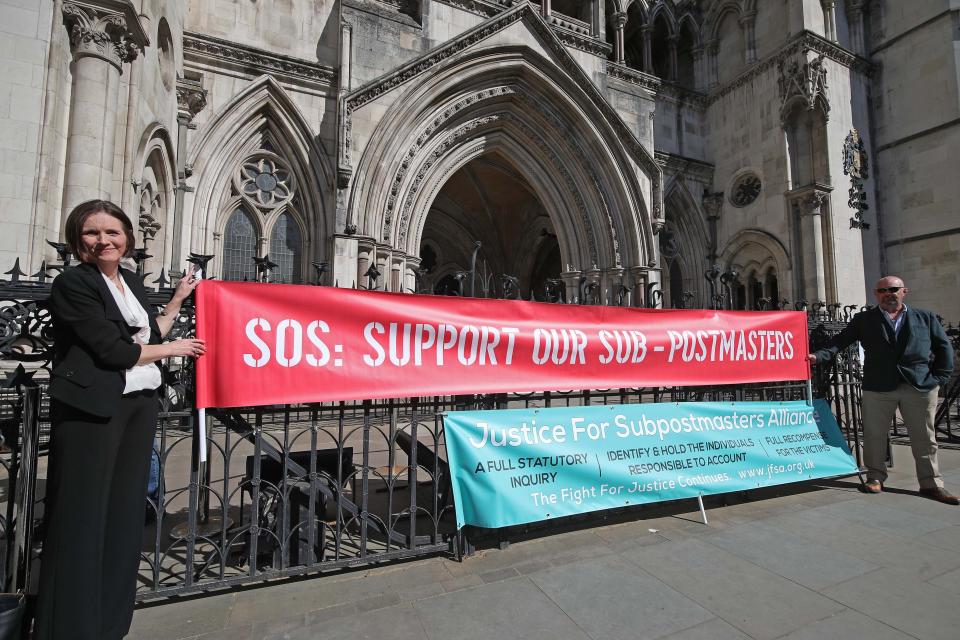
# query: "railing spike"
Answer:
x=41 y=275
x=162 y=281
x=19 y=377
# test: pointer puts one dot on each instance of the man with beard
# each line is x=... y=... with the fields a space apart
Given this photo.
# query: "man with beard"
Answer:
x=907 y=359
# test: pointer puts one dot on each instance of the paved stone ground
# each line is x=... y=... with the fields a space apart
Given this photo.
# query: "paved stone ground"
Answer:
x=819 y=560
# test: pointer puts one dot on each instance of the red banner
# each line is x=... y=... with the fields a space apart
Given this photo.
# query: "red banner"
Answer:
x=283 y=344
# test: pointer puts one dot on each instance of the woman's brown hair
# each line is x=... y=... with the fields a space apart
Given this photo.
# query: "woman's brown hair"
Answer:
x=74 y=226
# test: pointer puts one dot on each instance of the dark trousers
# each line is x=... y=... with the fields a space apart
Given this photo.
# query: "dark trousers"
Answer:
x=95 y=509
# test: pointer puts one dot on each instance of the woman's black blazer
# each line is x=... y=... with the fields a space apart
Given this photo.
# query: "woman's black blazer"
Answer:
x=93 y=345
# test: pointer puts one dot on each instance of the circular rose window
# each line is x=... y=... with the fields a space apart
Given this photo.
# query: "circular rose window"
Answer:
x=745 y=190
x=266 y=182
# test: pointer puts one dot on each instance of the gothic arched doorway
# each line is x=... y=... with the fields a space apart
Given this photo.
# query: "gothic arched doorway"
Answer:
x=489 y=201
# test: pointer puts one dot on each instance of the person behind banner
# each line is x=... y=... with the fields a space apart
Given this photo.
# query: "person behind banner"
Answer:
x=103 y=389
x=908 y=357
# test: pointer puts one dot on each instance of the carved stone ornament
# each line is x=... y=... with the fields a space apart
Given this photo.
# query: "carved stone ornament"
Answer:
x=191 y=98
x=105 y=29
x=856 y=166
x=205 y=48
x=855 y=162
x=521 y=11
x=745 y=190
x=485 y=8
x=812 y=203
x=712 y=203
x=266 y=181
x=633 y=76
x=807 y=80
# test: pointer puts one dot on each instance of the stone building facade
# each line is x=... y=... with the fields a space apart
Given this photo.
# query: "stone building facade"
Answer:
x=615 y=146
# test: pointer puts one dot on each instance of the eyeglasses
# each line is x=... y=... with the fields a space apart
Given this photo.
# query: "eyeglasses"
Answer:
x=888 y=289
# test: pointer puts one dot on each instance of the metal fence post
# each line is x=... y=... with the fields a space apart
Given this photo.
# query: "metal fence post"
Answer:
x=24 y=478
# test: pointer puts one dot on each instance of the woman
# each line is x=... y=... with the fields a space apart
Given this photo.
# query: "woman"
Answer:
x=103 y=390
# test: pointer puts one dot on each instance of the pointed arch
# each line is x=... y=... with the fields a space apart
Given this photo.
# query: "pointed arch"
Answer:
x=241 y=244
x=285 y=246
x=687 y=21
x=509 y=99
x=716 y=14
x=664 y=10
x=758 y=254
x=262 y=115
x=641 y=6
x=153 y=196
x=684 y=220
x=689 y=49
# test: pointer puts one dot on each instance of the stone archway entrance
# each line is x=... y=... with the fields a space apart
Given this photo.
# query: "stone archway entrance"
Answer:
x=489 y=201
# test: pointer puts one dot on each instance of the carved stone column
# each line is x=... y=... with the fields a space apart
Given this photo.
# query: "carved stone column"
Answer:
x=640 y=278
x=712 y=206
x=571 y=280
x=646 y=35
x=713 y=75
x=366 y=256
x=104 y=35
x=388 y=272
x=597 y=21
x=855 y=18
x=699 y=73
x=829 y=19
x=410 y=274
x=748 y=22
x=346 y=251
x=592 y=277
x=191 y=100
x=809 y=206
x=619 y=21
x=673 y=39
x=612 y=279
x=398 y=268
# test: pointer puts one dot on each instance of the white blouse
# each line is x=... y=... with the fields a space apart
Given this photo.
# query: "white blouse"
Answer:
x=141 y=376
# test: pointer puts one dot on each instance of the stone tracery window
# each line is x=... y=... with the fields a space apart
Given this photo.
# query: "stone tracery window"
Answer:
x=264 y=180
x=286 y=248
x=239 y=246
x=262 y=185
x=745 y=190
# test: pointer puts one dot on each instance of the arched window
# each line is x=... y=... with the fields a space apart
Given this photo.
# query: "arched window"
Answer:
x=239 y=247
x=686 y=50
x=660 y=49
x=739 y=296
x=756 y=292
x=807 y=146
x=773 y=288
x=732 y=48
x=634 y=37
x=286 y=249
x=263 y=186
x=154 y=200
x=676 y=286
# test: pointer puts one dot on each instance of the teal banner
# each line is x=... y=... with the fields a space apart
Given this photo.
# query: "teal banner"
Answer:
x=525 y=465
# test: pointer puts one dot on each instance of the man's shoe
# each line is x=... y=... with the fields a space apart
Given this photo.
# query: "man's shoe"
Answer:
x=872 y=486
x=940 y=495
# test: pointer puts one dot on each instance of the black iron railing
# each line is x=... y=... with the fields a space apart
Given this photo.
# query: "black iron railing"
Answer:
x=296 y=489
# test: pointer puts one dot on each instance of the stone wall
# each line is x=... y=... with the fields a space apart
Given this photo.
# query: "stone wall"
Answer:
x=30 y=121
x=916 y=100
x=745 y=134
x=907 y=113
